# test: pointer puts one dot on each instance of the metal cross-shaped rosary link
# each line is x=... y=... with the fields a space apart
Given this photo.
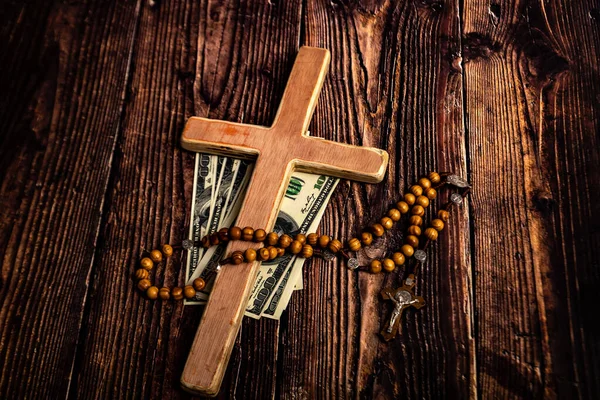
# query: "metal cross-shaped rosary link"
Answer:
x=403 y=297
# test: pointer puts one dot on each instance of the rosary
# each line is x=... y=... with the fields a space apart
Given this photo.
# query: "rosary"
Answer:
x=414 y=202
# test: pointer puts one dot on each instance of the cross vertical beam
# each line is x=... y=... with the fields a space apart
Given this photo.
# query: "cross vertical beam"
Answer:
x=279 y=150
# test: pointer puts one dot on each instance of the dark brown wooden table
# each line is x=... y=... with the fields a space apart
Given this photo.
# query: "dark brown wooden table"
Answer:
x=94 y=96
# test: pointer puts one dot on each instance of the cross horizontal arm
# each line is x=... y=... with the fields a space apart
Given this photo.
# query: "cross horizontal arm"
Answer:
x=341 y=160
x=224 y=138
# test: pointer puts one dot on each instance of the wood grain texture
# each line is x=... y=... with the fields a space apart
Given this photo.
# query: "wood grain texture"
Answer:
x=127 y=341
x=63 y=84
x=531 y=78
x=505 y=93
x=394 y=70
x=143 y=347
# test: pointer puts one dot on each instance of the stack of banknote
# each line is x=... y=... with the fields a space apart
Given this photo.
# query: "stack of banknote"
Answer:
x=219 y=187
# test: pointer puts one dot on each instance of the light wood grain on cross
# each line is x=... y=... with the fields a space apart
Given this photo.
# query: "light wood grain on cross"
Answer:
x=279 y=150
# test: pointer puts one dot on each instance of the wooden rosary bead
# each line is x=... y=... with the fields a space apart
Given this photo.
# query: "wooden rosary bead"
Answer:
x=409 y=199
x=377 y=230
x=205 y=241
x=418 y=210
x=147 y=263
x=177 y=293
x=141 y=274
x=260 y=235
x=403 y=207
x=235 y=233
x=407 y=250
x=199 y=284
x=263 y=254
x=414 y=230
x=366 y=238
x=415 y=220
x=272 y=239
x=431 y=193
x=388 y=265
x=423 y=201
x=152 y=292
x=394 y=214
x=375 y=267
x=324 y=241
x=443 y=215
x=387 y=223
x=280 y=252
x=164 y=293
x=307 y=251
x=214 y=239
x=335 y=246
x=223 y=234
x=167 y=250
x=434 y=177
x=144 y=284
x=301 y=237
x=354 y=244
x=424 y=183
x=156 y=256
x=189 y=292
x=273 y=252
x=416 y=190
x=412 y=240
x=312 y=239
x=247 y=234
x=284 y=241
x=295 y=247
x=250 y=255
x=237 y=257
x=437 y=224
x=431 y=234
x=398 y=258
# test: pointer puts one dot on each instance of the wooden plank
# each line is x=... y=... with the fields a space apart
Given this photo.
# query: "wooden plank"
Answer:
x=532 y=122
x=531 y=83
x=395 y=83
x=130 y=343
x=218 y=60
x=63 y=86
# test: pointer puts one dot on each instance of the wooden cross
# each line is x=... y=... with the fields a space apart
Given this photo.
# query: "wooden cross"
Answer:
x=278 y=150
x=402 y=298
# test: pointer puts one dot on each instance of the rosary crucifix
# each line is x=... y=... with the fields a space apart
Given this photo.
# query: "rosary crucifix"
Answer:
x=402 y=298
x=278 y=150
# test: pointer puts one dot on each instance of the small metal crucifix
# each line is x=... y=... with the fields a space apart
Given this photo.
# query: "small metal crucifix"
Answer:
x=402 y=298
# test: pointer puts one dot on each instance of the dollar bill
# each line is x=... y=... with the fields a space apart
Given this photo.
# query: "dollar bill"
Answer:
x=283 y=294
x=201 y=206
x=292 y=278
x=304 y=202
x=219 y=187
x=208 y=265
x=231 y=178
